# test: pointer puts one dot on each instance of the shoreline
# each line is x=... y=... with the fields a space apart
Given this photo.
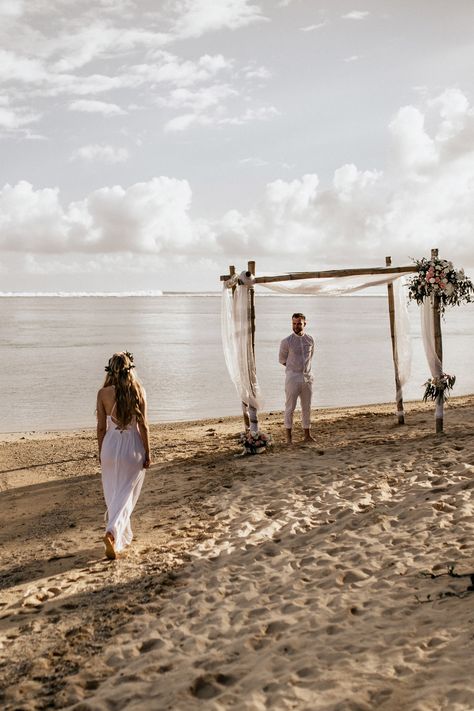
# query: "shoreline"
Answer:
x=320 y=413
x=313 y=576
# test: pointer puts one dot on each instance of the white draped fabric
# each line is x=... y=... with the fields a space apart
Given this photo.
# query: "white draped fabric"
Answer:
x=402 y=333
x=236 y=327
x=427 y=332
x=336 y=286
x=341 y=286
x=237 y=343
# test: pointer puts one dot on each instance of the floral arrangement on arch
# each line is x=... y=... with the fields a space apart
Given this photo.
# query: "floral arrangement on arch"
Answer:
x=254 y=442
x=438 y=277
x=437 y=389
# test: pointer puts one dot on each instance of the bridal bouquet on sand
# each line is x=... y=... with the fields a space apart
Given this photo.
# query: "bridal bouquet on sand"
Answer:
x=437 y=389
x=438 y=277
x=254 y=442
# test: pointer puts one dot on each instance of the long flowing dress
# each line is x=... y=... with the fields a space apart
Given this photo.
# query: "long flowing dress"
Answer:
x=122 y=456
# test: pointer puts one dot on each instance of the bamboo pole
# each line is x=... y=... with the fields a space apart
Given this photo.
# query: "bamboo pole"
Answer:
x=250 y=412
x=245 y=411
x=251 y=269
x=438 y=343
x=294 y=276
x=398 y=386
x=231 y=273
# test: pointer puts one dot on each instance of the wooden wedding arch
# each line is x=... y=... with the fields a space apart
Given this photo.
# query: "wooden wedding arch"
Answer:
x=331 y=273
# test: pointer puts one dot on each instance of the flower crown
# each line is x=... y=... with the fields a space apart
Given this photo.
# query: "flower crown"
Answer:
x=126 y=368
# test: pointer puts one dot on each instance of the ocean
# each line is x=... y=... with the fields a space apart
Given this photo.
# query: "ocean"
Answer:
x=53 y=351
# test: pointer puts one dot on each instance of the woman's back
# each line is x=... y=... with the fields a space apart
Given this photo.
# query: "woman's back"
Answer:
x=122 y=433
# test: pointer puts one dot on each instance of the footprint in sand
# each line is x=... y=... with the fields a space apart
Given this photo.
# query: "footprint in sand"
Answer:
x=207 y=686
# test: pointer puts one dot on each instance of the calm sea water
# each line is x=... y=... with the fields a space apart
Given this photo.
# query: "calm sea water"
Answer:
x=53 y=351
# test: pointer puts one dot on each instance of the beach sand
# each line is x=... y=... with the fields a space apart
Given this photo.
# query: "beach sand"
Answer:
x=313 y=577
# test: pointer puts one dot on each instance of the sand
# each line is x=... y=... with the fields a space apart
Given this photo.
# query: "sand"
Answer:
x=316 y=577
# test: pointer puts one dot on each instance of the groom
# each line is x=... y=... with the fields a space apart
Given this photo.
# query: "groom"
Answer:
x=296 y=353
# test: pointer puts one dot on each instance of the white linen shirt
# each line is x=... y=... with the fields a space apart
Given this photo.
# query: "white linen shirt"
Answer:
x=296 y=353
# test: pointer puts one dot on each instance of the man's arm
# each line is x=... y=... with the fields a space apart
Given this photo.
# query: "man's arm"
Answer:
x=284 y=350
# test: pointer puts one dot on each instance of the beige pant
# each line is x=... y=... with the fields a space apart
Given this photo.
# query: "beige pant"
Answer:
x=296 y=387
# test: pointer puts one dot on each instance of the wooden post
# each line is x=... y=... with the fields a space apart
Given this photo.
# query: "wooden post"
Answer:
x=232 y=272
x=251 y=269
x=438 y=343
x=391 y=311
x=330 y=273
x=253 y=413
x=245 y=410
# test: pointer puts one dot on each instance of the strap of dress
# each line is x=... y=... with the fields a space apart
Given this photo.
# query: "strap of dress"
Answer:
x=112 y=414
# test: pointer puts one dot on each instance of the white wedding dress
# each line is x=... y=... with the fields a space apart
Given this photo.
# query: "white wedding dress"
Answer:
x=122 y=456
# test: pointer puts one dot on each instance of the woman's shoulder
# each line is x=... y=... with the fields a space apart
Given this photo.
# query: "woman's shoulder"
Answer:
x=108 y=390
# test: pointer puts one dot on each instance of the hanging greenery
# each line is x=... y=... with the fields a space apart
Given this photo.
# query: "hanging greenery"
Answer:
x=437 y=389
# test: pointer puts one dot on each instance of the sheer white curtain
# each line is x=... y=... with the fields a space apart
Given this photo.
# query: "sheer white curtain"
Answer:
x=237 y=344
x=341 y=286
x=403 y=351
x=336 y=286
x=427 y=332
x=236 y=327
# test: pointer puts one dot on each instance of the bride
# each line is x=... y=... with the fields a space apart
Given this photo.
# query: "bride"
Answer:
x=124 y=450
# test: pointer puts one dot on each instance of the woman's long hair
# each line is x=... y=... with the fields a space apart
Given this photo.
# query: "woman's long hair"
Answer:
x=129 y=394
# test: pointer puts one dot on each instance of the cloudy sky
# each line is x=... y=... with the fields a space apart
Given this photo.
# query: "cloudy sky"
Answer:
x=147 y=144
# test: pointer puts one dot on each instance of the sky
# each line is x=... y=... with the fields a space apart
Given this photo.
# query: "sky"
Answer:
x=147 y=145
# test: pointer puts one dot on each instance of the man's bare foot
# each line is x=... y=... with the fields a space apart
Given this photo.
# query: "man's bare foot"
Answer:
x=110 y=551
x=309 y=438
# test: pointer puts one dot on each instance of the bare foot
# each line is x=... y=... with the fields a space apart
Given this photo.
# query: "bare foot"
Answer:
x=110 y=551
x=308 y=438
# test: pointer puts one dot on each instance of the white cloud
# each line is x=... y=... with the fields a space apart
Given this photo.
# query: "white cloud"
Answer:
x=11 y=8
x=253 y=161
x=413 y=150
x=220 y=118
x=356 y=15
x=100 y=40
x=311 y=28
x=183 y=122
x=14 y=119
x=199 y=100
x=352 y=58
x=99 y=107
x=456 y=116
x=150 y=217
x=14 y=67
x=101 y=153
x=196 y=17
x=172 y=70
x=123 y=50
x=422 y=199
x=263 y=113
x=253 y=71
x=31 y=220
